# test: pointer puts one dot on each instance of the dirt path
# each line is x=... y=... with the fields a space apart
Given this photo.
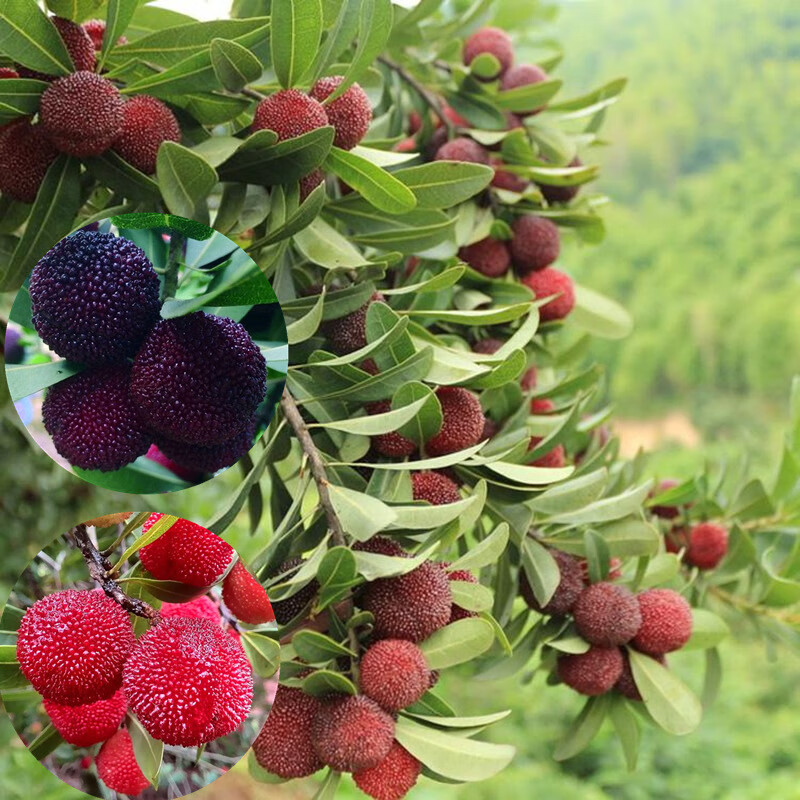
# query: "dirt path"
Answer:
x=650 y=434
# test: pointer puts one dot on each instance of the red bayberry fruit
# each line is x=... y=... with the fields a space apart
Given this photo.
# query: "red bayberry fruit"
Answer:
x=349 y=333
x=25 y=155
x=487 y=346
x=536 y=243
x=394 y=674
x=570 y=585
x=393 y=778
x=664 y=512
x=146 y=124
x=392 y=444
x=434 y=487
x=202 y=607
x=493 y=41
x=593 y=672
x=245 y=597
x=117 y=767
x=79 y=46
x=350 y=113
x=560 y=194
x=523 y=75
x=462 y=421
x=289 y=113
x=88 y=724
x=550 y=281
x=607 y=614
x=457 y=612
x=462 y=149
x=666 y=622
x=490 y=257
x=708 y=544
x=287 y=609
x=503 y=179
x=554 y=458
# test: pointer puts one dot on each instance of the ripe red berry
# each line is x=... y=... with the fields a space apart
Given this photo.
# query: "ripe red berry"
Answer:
x=7 y=72
x=542 y=405
x=392 y=444
x=410 y=606
x=117 y=767
x=289 y=113
x=494 y=41
x=554 y=458
x=394 y=674
x=393 y=778
x=487 y=346
x=25 y=155
x=382 y=545
x=550 y=281
x=245 y=597
x=310 y=182
x=626 y=685
x=79 y=46
x=457 y=612
x=349 y=333
x=434 y=487
x=462 y=149
x=490 y=257
x=202 y=607
x=666 y=622
x=607 y=614
x=664 y=512
x=407 y=145
x=284 y=746
x=536 y=243
x=560 y=194
x=523 y=75
x=187 y=553
x=88 y=724
x=503 y=179
x=569 y=587
x=593 y=672
x=490 y=428
x=352 y=733
x=72 y=646
x=614 y=570
x=146 y=124
x=676 y=539
x=708 y=544
x=188 y=682
x=96 y=28
x=82 y=114
x=196 y=460
x=462 y=421
x=350 y=113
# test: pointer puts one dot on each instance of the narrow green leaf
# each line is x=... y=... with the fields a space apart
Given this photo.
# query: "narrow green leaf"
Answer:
x=296 y=31
x=263 y=651
x=361 y=516
x=541 y=570
x=118 y=16
x=44 y=744
x=28 y=37
x=234 y=65
x=317 y=648
x=584 y=728
x=19 y=97
x=148 y=751
x=443 y=184
x=185 y=178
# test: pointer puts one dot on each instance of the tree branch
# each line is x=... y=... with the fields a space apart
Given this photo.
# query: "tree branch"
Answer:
x=426 y=94
x=100 y=568
x=316 y=464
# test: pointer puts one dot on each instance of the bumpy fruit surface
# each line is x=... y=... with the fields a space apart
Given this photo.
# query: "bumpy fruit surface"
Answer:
x=92 y=421
x=607 y=614
x=310 y=182
x=199 y=379
x=117 y=767
x=245 y=597
x=96 y=28
x=286 y=610
x=88 y=724
x=25 y=155
x=593 y=672
x=188 y=682
x=186 y=552
x=434 y=487
x=349 y=333
x=382 y=545
x=536 y=243
x=490 y=257
x=79 y=46
x=666 y=622
x=462 y=421
x=626 y=685
x=72 y=646
x=350 y=113
x=411 y=606
x=560 y=194
x=708 y=544
x=550 y=281
x=570 y=585
x=146 y=124
x=284 y=746
x=194 y=458
x=82 y=114
x=94 y=297
x=202 y=607
x=394 y=674
x=523 y=75
x=393 y=778
x=392 y=444
x=462 y=149
x=352 y=733
x=289 y=113
x=494 y=41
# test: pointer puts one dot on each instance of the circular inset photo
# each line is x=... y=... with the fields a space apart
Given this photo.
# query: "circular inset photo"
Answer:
x=140 y=656
x=148 y=353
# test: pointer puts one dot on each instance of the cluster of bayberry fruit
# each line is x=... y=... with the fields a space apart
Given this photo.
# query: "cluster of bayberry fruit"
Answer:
x=534 y=242
x=355 y=733
x=188 y=386
x=81 y=114
x=610 y=618
x=187 y=680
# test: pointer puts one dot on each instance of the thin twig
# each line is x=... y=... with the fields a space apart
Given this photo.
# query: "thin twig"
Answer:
x=426 y=94
x=100 y=568
x=787 y=617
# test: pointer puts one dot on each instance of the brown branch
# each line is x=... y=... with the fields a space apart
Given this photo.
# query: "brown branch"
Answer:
x=426 y=94
x=100 y=571
x=316 y=463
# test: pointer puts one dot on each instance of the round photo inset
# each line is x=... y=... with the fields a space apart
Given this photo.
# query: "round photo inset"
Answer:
x=147 y=354
x=142 y=656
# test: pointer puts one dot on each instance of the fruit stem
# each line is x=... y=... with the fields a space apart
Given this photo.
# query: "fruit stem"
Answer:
x=100 y=568
x=429 y=97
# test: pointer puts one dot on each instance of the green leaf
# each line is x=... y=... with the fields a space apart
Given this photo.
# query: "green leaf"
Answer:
x=451 y=756
x=112 y=170
x=708 y=630
x=325 y=681
x=461 y=722
x=322 y=244
x=234 y=65
x=442 y=184
x=28 y=37
x=478 y=110
x=296 y=32
x=148 y=751
x=50 y=220
x=158 y=528
x=376 y=185
x=306 y=326
x=608 y=508
x=316 y=648
x=263 y=651
x=18 y=97
x=487 y=551
x=599 y=315
x=336 y=574
x=525 y=99
x=118 y=16
x=361 y=516
x=458 y=642
x=626 y=725
x=530 y=476
x=471 y=596
x=424 y=516
x=572 y=495
x=185 y=178
x=45 y=743
x=584 y=728
x=671 y=704
x=541 y=570
x=373 y=424
x=27 y=379
x=339 y=36
x=296 y=220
